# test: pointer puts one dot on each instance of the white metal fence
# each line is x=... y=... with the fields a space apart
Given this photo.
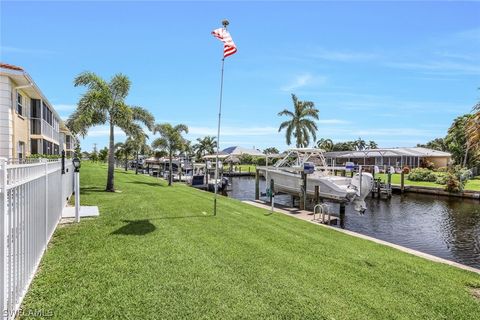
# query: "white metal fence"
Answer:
x=32 y=197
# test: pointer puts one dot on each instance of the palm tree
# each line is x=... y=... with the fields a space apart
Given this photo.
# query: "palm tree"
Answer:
x=104 y=103
x=325 y=144
x=170 y=140
x=300 y=126
x=271 y=150
x=372 y=145
x=205 y=145
x=126 y=149
x=360 y=144
x=473 y=130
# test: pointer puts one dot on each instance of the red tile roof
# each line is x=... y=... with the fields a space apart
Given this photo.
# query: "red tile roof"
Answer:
x=9 y=66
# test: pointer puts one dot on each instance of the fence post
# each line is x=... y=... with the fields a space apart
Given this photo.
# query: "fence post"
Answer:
x=3 y=236
x=46 y=202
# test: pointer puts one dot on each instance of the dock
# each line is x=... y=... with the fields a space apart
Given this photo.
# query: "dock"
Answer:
x=295 y=212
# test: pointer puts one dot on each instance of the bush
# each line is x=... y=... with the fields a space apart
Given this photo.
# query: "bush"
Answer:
x=453 y=184
x=421 y=174
x=429 y=165
x=441 y=179
x=442 y=169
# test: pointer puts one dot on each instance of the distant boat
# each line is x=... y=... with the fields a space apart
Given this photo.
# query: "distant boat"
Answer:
x=287 y=177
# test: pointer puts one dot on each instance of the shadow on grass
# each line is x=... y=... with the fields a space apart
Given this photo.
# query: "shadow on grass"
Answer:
x=183 y=217
x=153 y=184
x=90 y=190
x=136 y=228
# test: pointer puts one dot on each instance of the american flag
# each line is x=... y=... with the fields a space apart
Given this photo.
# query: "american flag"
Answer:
x=229 y=47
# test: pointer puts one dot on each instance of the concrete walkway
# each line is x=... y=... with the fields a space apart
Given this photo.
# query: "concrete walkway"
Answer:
x=303 y=215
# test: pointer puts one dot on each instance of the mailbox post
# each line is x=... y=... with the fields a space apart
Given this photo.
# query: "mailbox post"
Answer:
x=76 y=179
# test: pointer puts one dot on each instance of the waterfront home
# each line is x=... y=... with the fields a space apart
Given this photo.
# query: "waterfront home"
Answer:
x=28 y=122
x=397 y=157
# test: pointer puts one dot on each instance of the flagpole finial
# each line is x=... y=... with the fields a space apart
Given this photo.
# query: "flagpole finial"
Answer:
x=225 y=23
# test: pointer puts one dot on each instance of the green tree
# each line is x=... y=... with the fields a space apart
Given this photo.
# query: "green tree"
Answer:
x=204 y=146
x=325 y=144
x=344 y=146
x=271 y=150
x=125 y=149
x=456 y=140
x=171 y=140
x=372 y=145
x=435 y=144
x=104 y=103
x=103 y=154
x=360 y=144
x=300 y=125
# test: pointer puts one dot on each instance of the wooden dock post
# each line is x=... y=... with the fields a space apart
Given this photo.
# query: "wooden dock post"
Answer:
x=272 y=192
x=317 y=194
x=303 y=192
x=257 y=184
x=402 y=181
x=342 y=215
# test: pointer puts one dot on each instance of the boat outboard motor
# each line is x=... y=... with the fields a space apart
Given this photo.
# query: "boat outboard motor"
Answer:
x=362 y=191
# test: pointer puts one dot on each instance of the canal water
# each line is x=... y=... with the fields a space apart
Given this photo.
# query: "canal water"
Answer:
x=444 y=227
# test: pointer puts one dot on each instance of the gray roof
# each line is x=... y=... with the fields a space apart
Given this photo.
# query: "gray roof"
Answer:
x=389 y=152
x=237 y=151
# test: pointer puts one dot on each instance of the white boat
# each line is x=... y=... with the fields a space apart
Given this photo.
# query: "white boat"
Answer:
x=287 y=176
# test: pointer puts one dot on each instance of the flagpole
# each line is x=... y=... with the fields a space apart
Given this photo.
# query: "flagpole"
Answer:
x=225 y=24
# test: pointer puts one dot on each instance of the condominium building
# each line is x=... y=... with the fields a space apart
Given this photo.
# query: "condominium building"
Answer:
x=28 y=123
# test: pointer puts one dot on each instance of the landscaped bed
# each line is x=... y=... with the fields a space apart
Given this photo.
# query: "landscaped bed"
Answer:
x=156 y=252
x=473 y=184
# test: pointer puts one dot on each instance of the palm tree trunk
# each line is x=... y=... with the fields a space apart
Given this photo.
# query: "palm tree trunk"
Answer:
x=126 y=161
x=136 y=165
x=170 y=169
x=466 y=155
x=110 y=187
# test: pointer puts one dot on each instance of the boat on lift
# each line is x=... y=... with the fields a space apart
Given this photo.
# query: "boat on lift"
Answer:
x=287 y=176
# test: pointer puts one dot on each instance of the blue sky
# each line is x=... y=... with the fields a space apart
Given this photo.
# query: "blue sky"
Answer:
x=393 y=72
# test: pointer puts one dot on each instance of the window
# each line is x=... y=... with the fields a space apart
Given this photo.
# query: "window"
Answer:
x=21 y=149
x=19 y=104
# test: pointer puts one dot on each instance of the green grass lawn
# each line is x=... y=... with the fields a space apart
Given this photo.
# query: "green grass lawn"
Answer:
x=246 y=167
x=473 y=184
x=156 y=252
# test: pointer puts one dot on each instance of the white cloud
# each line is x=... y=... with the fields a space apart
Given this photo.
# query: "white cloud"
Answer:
x=104 y=131
x=303 y=80
x=232 y=131
x=332 y=121
x=342 y=56
x=64 y=107
x=448 y=67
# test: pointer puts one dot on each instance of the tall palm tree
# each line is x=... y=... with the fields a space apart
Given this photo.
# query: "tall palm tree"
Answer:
x=300 y=126
x=372 y=145
x=104 y=103
x=170 y=140
x=473 y=131
x=205 y=145
x=325 y=144
x=360 y=144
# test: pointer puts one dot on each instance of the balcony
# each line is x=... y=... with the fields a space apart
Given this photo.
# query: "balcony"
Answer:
x=41 y=127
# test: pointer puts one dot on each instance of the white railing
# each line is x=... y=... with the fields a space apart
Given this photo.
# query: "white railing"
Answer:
x=31 y=206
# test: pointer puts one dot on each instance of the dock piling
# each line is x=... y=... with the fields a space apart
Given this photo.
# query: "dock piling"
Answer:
x=257 y=184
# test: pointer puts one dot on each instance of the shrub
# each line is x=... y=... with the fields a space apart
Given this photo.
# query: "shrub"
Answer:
x=441 y=179
x=453 y=184
x=421 y=174
x=429 y=165
x=442 y=169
